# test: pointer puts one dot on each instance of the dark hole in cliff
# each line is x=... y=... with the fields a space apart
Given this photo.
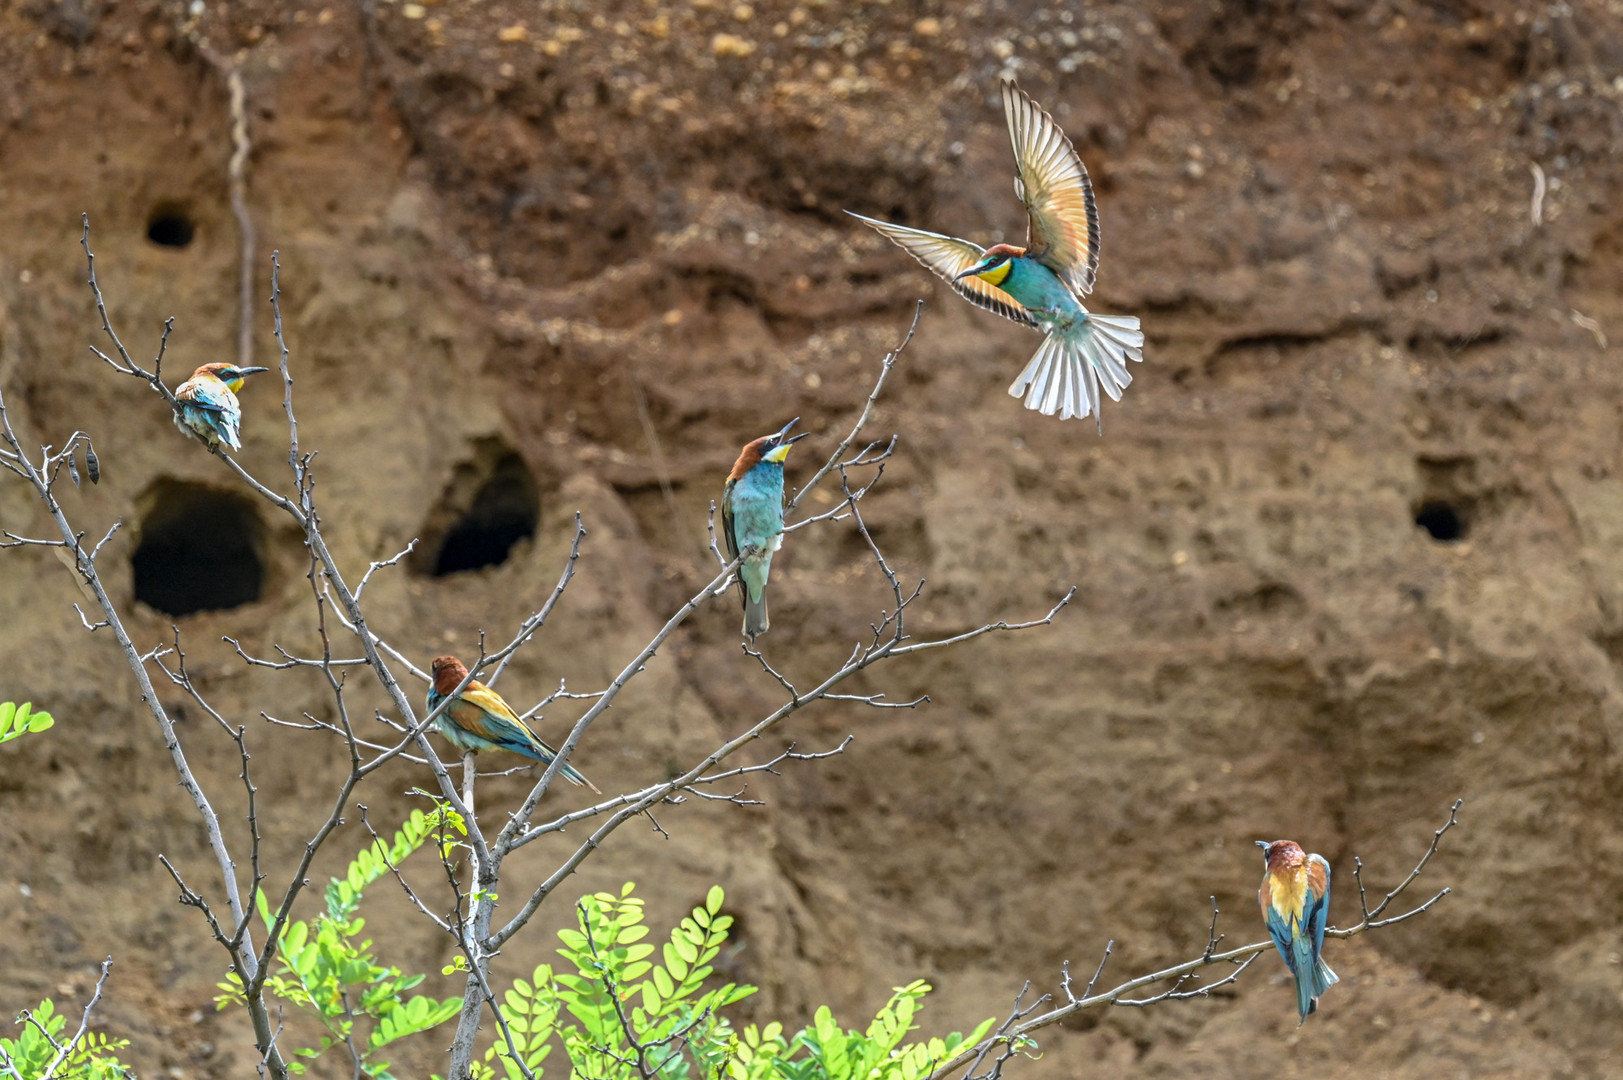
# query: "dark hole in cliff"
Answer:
x=479 y=531
x=1441 y=520
x=199 y=550
x=170 y=227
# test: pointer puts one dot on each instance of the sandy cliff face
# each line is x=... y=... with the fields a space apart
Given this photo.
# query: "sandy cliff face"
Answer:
x=575 y=255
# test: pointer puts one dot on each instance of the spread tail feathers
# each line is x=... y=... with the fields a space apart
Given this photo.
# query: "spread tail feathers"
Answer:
x=1065 y=375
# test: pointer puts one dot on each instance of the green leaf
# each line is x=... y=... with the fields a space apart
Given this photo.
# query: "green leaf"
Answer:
x=979 y=1033
x=663 y=983
x=38 y=721
x=674 y=963
x=739 y=993
x=294 y=936
x=713 y=898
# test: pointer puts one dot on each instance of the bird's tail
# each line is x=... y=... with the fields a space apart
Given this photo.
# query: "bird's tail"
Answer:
x=1067 y=371
x=568 y=772
x=752 y=577
x=755 y=620
x=1320 y=978
x=573 y=775
x=546 y=755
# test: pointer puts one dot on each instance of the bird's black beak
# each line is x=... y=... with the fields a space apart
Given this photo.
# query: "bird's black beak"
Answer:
x=250 y=371
x=979 y=268
x=1263 y=844
x=783 y=436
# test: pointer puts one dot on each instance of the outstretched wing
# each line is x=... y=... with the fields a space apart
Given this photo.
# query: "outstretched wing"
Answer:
x=947 y=257
x=1051 y=181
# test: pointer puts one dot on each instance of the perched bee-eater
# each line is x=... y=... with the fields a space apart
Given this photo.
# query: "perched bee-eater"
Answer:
x=478 y=719
x=1042 y=284
x=752 y=519
x=208 y=404
x=1295 y=900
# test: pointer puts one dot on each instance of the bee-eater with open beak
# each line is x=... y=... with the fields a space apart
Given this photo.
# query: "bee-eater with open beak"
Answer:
x=1042 y=284
x=208 y=404
x=1295 y=898
x=752 y=519
x=478 y=719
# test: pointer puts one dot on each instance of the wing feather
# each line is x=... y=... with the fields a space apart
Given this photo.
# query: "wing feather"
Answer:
x=1318 y=899
x=947 y=257
x=728 y=534
x=483 y=697
x=1054 y=185
x=201 y=395
x=1280 y=931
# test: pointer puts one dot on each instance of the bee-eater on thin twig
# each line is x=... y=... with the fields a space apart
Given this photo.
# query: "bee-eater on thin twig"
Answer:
x=752 y=519
x=208 y=408
x=1042 y=284
x=1295 y=898
x=478 y=719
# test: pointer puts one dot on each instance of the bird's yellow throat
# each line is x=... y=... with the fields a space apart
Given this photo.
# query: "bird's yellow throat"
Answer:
x=998 y=274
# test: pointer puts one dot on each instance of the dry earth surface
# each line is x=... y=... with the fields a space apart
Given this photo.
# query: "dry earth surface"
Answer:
x=586 y=250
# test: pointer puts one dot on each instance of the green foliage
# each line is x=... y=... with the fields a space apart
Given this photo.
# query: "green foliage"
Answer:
x=31 y=1053
x=19 y=720
x=39 y=1042
x=620 y=1014
x=326 y=972
x=877 y=1054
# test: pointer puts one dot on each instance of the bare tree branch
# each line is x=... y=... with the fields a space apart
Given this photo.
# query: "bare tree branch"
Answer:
x=1239 y=957
x=64 y=1051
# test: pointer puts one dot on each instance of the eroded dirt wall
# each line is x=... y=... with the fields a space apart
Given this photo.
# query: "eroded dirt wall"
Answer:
x=606 y=242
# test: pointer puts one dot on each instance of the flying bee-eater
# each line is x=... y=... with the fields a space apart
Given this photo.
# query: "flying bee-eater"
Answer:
x=752 y=519
x=208 y=408
x=1295 y=899
x=478 y=719
x=1042 y=284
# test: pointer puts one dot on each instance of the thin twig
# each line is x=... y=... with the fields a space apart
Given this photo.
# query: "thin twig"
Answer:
x=65 y=1050
x=1239 y=957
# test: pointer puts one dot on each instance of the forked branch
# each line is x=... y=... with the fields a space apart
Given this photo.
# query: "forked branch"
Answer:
x=1180 y=975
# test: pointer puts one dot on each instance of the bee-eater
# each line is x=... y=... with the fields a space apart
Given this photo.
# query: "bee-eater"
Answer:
x=1042 y=284
x=752 y=519
x=478 y=719
x=208 y=404
x=1295 y=898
